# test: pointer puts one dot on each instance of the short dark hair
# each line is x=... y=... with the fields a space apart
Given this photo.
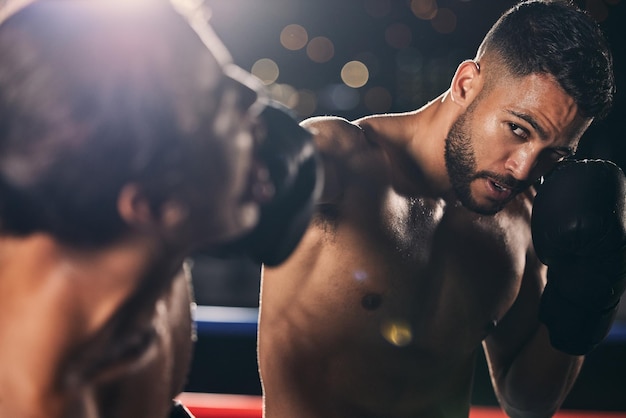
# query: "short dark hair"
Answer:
x=556 y=37
x=90 y=101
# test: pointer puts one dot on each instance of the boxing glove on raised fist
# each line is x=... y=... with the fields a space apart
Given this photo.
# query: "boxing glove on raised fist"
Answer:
x=579 y=231
x=295 y=173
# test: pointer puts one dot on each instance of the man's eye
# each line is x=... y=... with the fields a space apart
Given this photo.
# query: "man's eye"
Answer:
x=518 y=130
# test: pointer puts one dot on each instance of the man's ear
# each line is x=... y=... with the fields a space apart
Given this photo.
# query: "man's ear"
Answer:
x=134 y=207
x=466 y=83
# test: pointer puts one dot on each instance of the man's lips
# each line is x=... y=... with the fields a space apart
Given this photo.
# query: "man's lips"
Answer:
x=497 y=190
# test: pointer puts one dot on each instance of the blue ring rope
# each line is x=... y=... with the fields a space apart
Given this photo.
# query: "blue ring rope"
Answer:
x=228 y=320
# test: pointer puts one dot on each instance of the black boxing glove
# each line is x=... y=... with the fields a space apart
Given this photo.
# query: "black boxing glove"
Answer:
x=295 y=173
x=579 y=231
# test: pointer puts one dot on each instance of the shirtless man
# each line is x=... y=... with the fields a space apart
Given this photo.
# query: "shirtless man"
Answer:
x=127 y=140
x=421 y=249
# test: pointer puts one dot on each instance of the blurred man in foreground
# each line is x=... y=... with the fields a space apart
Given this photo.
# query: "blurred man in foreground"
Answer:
x=128 y=140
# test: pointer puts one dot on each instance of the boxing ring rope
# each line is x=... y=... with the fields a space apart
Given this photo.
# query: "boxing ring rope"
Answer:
x=226 y=320
x=210 y=405
x=243 y=321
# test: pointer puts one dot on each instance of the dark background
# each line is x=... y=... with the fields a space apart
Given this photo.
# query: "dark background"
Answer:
x=412 y=73
x=411 y=67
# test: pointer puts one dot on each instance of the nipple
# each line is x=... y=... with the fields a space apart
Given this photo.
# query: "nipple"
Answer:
x=372 y=301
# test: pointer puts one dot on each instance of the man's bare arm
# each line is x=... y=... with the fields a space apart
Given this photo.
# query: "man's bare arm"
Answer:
x=530 y=377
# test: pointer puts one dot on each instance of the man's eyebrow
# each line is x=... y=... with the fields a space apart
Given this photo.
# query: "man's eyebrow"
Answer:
x=542 y=133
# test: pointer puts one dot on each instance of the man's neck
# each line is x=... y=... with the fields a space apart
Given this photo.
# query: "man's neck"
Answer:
x=89 y=284
x=420 y=137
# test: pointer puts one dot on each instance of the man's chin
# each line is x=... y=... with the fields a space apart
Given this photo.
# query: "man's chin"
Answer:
x=486 y=208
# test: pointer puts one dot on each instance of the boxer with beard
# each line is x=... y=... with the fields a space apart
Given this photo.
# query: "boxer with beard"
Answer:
x=421 y=251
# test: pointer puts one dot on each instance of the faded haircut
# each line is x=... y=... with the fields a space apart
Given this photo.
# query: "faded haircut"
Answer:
x=555 y=37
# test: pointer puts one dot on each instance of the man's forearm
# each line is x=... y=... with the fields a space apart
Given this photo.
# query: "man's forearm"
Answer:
x=538 y=380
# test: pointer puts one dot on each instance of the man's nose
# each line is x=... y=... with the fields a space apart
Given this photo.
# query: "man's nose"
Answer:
x=521 y=162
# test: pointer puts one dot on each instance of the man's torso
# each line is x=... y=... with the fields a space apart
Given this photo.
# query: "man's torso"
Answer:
x=382 y=307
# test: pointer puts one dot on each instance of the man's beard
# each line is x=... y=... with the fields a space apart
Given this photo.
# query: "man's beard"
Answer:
x=461 y=166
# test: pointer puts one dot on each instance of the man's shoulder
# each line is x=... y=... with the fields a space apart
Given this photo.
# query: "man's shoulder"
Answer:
x=336 y=133
x=330 y=124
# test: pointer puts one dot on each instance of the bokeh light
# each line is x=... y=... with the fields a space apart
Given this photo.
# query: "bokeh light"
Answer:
x=284 y=93
x=410 y=48
x=294 y=37
x=354 y=74
x=265 y=70
x=320 y=49
x=424 y=9
x=398 y=35
x=340 y=97
x=444 y=21
x=397 y=333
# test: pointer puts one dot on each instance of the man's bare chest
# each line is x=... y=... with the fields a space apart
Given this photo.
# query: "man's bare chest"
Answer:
x=426 y=270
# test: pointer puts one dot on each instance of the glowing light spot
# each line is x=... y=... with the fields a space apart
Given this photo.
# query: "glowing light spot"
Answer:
x=340 y=97
x=360 y=275
x=320 y=49
x=378 y=99
x=294 y=37
x=355 y=74
x=397 y=333
x=444 y=21
x=424 y=9
x=285 y=94
x=398 y=35
x=265 y=70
